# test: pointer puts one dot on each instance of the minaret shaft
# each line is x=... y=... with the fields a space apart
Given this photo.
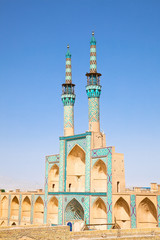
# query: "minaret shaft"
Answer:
x=68 y=98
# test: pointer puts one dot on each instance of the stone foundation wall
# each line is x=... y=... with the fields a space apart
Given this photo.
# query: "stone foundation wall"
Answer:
x=35 y=233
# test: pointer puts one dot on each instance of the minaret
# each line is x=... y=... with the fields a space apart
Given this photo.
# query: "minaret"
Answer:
x=68 y=98
x=93 y=89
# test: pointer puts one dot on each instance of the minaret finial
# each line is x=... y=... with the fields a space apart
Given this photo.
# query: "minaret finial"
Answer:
x=68 y=46
x=92 y=33
x=68 y=66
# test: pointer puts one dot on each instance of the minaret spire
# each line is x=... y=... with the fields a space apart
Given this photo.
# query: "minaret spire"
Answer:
x=68 y=97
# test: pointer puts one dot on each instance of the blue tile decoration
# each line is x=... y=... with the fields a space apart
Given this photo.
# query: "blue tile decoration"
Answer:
x=9 y=207
x=133 y=211
x=93 y=109
x=20 y=208
x=86 y=209
x=32 y=208
x=68 y=116
x=74 y=211
x=61 y=169
x=88 y=163
x=46 y=190
x=94 y=160
x=158 y=209
x=71 y=143
x=52 y=158
x=60 y=210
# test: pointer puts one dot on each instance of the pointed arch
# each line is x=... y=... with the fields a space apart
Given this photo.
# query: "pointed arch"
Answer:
x=122 y=213
x=26 y=209
x=53 y=178
x=2 y=223
x=99 y=213
x=38 y=211
x=15 y=208
x=99 y=177
x=146 y=214
x=76 y=169
x=4 y=207
x=52 y=211
x=74 y=211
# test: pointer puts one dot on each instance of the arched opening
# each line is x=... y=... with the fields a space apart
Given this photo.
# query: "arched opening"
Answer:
x=53 y=179
x=52 y=211
x=2 y=223
x=99 y=214
x=38 y=211
x=99 y=177
x=13 y=224
x=147 y=214
x=118 y=187
x=26 y=209
x=15 y=208
x=4 y=207
x=74 y=211
x=122 y=213
x=76 y=170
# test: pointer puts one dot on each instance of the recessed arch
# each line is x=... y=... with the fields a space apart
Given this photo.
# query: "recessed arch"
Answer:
x=4 y=207
x=38 y=211
x=74 y=211
x=2 y=223
x=146 y=214
x=99 y=177
x=76 y=170
x=99 y=213
x=53 y=178
x=52 y=211
x=15 y=208
x=122 y=213
x=26 y=209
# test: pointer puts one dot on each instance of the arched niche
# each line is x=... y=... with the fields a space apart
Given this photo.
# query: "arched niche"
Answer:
x=99 y=177
x=4 y=207
x=146 y=214
x=122 y=213
x=53 y=179
x=76 y=170
x=26 y=209
x=38 y=211
x=52 y=211
x=2 y=224
x=15 y=208
x=99 y=214
x=74 y=211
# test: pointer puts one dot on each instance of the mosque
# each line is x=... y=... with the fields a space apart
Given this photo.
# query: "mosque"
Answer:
x=86 y=180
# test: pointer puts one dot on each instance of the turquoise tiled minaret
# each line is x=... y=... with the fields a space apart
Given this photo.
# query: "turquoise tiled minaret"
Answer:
x=68 y=98
x=93 y=89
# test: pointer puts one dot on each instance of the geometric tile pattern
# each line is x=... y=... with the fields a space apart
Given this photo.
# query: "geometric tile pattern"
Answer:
x=61 y=168
x=9 y=208
x=32 y=207
x=74 y=211
x=68 y=117
x=109 y=186
x=60 y=209
x=93 y=104
x=71 y=143
x=53 y=158
x=20 y=207
x=101 y=152
x=158 y=209
x=93 y=62
x=88 y=163
x=133 y=211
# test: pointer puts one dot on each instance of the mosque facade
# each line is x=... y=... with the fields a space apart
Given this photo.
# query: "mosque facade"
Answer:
x=86 y=180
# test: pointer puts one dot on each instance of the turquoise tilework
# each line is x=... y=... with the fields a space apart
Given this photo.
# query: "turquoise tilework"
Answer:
x=51 y=165
x=133 y=211
x=93 y=104
x=9 y=207
x=60 y=210
x=71 y=143
x=101 y=152
x=32 y=207
x=94 y=160
x=88 y=163
x=87 y=209
x=52 y=158
x=74 y=211
x=68 y=117
x=46 y=190
x=109 y=186
x=20 y=208
x=61 y=169
x=158 y=209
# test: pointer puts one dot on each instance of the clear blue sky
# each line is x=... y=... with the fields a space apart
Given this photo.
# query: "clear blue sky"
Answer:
x=33 y=38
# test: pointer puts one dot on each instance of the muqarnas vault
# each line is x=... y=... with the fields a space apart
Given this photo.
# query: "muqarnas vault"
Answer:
x=86 y=180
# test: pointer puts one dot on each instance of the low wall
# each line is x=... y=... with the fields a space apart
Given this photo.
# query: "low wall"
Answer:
x=35 y=233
